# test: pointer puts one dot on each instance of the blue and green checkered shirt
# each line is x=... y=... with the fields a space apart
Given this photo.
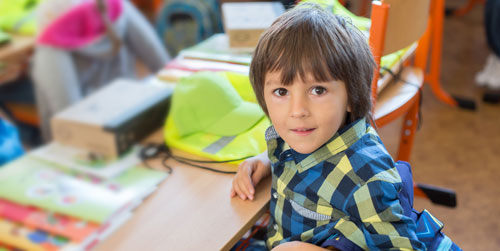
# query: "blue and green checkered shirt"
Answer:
x=345 y=192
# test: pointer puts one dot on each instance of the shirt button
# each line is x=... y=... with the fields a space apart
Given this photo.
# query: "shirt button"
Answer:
x=275 y=195
x=275 y=227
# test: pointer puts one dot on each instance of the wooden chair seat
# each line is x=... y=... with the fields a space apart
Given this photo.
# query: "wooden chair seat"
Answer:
x=398 y=96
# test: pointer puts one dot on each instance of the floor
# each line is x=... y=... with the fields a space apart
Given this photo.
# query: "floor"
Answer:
x=460 y=149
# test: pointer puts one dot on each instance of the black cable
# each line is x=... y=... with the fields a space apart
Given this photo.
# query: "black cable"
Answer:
x=209 y=161
x=145 y=162
x=398 y=76
x=155 y=150
x=202 y=167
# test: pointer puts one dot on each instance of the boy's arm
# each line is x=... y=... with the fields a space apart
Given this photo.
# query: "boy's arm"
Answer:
x=377 y=205
x=250 y=173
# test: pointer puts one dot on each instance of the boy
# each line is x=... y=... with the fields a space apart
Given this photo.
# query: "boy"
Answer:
x=334 y=184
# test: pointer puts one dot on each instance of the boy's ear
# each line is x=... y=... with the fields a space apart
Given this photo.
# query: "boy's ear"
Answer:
x=348 y=107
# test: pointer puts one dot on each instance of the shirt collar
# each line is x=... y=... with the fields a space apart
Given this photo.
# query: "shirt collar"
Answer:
x=339 y=142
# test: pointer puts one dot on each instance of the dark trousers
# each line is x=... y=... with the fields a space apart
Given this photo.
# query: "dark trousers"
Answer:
x=492 y=25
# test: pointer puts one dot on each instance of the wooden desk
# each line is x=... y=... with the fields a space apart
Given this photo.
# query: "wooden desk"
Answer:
x=191 y=210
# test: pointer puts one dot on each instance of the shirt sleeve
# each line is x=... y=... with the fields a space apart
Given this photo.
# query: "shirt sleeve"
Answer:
x=375 y=208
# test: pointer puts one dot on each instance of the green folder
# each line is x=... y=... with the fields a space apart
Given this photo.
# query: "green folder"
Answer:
x=4 y=37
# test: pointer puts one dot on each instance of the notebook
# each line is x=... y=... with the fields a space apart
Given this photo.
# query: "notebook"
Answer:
x=87 y=162
x=33 y=182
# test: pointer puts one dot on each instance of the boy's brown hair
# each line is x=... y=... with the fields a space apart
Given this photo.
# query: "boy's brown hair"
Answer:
x=309 y=39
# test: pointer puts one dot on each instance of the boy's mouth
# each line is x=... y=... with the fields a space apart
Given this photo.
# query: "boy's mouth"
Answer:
x=303 y=131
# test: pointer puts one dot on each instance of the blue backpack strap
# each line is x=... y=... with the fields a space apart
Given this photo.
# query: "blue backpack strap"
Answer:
x=429 y=227
x=429 y=232
x=406 y=193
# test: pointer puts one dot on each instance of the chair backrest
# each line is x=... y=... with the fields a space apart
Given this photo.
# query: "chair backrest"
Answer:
x=396 y=24
x=406 y=23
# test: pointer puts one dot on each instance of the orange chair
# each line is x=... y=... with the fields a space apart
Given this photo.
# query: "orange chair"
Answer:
x=24 y=113
x=390 y=20
x=396 y=24
x=149 y=7
x=433 y=72
x=432 y=76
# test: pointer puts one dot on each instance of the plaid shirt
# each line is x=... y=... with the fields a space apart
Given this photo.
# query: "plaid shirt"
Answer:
x=345 y=193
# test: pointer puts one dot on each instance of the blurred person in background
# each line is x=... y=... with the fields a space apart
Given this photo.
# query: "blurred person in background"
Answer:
x=85 y=44
x=489 y=77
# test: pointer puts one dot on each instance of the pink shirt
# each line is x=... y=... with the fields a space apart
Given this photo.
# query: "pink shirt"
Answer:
x=79 y=26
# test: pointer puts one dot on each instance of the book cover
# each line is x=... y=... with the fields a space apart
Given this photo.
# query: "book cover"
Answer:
x=195 y=65
x=19 y=236
x=57 y=224
x=216 y=48
x=3 y=247
x=85 y=161
x=32 y=182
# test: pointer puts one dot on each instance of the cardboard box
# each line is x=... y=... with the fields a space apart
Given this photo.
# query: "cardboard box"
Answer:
x=244 y=22
x=114 y=118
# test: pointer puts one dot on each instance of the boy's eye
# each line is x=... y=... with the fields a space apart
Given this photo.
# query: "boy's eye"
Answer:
x=318 y=90
x=280 y=92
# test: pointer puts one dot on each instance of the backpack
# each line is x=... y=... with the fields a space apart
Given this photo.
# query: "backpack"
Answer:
x=183 y=23
x=10 y=145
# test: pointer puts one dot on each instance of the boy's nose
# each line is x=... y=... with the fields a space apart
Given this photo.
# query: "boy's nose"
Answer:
x=298 y=107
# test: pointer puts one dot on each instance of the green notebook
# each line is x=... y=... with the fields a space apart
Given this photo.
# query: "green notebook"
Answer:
x=4 y=37
x=34 y=182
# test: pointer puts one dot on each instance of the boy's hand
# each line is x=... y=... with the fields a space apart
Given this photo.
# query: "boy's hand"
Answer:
x=250 y=173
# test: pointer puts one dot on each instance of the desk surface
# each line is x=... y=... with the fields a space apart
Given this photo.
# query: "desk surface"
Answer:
x=190 y=210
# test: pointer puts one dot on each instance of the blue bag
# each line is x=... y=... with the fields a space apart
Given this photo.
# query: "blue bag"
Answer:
x=10 y=145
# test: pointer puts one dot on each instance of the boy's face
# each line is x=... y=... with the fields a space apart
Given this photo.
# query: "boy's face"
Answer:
x=307 y=113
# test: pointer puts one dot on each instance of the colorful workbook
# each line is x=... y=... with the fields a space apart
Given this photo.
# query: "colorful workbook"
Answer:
x=3 y=247
x=19 y=236
x=182 y=67
x=57 y=224
x=195 y=65
x=216 y=48
x=88 y=162
x=33 y=182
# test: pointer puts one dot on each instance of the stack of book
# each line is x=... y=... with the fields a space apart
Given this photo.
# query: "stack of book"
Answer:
x=62 y=198
x=213 y=54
